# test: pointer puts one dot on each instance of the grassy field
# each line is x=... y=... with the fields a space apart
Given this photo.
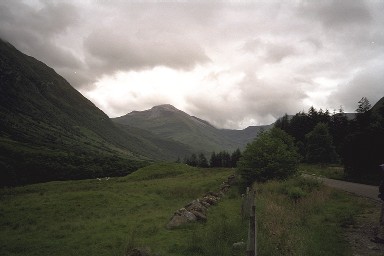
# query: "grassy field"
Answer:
x=110 y=216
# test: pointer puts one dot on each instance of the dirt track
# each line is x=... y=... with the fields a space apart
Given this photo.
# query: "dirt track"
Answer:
x=355 y=188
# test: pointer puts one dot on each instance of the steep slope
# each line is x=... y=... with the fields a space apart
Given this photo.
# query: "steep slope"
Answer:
x=169 y=122
x=48 y=130
x=379 y=107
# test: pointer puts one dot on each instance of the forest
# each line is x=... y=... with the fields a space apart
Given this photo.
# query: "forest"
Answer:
x=353 y=140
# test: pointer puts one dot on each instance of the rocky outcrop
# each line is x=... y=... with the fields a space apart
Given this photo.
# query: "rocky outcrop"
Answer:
x=197 y=209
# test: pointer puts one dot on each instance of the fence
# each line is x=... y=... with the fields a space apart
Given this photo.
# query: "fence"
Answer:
x=249 y=211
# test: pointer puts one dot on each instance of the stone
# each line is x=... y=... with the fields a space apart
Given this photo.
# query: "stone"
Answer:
x=181 y=217
x=210 y=199
x=199 y=216
x=176 y=221
x=225 y=187
x=190 y=216
x=196 y=205
x=217 y=195
x=205 y=204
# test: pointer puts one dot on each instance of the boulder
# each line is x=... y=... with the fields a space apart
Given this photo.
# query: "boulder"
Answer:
x=199 y=216
x=196 y=205
x=181 y=217
x=190 y=216
x=205 y=203
x=177 y=221
x=210 y=199
x=217 y=195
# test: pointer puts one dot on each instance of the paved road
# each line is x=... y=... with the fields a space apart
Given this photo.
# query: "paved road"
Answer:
x=355 y=188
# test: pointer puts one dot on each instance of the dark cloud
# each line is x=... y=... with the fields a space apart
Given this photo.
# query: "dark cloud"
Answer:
x=33 y=30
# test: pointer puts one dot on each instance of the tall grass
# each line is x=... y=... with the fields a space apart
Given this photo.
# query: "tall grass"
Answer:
x=302 y=217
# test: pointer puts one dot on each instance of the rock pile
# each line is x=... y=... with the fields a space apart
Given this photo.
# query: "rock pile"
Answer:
x=197 y=209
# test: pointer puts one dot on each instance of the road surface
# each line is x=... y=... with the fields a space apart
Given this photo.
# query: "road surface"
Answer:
x=368 y=191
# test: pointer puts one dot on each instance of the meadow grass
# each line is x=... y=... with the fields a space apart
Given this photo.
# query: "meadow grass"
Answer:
x=302 y=217
x=110 y=216
x=331 y=171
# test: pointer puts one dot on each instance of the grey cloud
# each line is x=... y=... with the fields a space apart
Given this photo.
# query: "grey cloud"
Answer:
x=121 y=51
x=259 y=100
x=269 y=51
x=337 y=13
x=33 y=30
x=367 y=83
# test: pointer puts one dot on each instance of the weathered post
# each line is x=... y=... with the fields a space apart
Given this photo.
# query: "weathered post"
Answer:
x=251 y=246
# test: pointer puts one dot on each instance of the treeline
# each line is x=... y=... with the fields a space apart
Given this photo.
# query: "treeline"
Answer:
x=356 y=142
x=221 y=159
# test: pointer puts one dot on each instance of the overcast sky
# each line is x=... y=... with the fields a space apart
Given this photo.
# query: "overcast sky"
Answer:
x=232 y=63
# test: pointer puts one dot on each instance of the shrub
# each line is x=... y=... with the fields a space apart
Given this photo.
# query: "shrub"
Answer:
x=271 y=156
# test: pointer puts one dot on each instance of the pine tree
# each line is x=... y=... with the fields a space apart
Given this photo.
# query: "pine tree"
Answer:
x=202 y=161
x=235 y=157
x=363 y=105
x=320 y=147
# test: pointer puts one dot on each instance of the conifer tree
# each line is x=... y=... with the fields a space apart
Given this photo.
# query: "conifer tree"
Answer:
x=320 y=148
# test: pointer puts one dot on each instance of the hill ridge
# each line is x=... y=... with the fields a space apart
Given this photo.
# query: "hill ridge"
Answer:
x=171 y=123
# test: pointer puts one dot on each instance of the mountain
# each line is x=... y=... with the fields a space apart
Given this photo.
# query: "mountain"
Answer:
x=379 y=106
x=172 y=123
x=49 y=131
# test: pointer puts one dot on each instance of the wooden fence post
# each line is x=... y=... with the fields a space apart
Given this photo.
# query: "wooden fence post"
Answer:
x=252 y=230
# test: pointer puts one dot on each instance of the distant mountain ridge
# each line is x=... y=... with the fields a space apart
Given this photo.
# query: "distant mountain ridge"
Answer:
x=172 y=123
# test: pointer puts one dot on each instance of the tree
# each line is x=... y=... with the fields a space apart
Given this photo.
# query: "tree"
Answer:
x=192 y=161
x=235 y=157
x=272 y=155
x=339 y=129
x=363 y=105
x=320 y=148
x=362 y=149
x=202 y=161
x=225 y=159
x=283 y=123
x=214 y=161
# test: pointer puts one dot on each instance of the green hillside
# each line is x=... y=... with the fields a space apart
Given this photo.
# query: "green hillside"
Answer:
x=49 y=131
x=171 y=123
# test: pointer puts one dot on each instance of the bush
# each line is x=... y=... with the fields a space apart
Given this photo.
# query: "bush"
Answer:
x=271 y=156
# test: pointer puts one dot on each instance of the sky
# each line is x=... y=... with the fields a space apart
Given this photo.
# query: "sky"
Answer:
x=233 y=63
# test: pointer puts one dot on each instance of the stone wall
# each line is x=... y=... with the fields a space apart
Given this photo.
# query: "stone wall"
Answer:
x=198 y=208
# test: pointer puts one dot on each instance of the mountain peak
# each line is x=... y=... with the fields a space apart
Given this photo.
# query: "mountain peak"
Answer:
x=167 y=107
